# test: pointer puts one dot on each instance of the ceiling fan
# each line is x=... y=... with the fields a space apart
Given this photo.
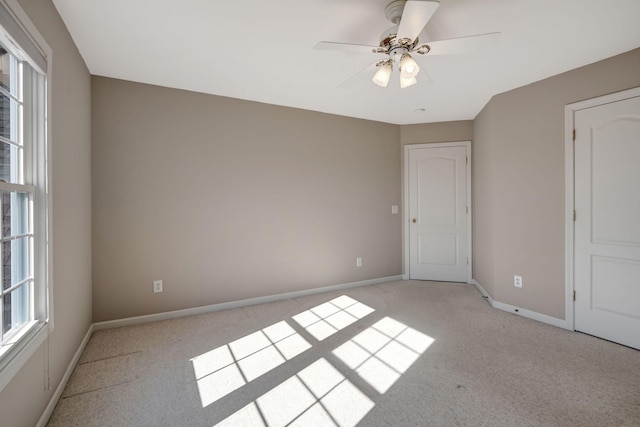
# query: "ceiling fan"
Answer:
x=401 y=40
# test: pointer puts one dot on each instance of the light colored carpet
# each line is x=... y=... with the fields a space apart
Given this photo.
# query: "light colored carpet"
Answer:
x=398 y=354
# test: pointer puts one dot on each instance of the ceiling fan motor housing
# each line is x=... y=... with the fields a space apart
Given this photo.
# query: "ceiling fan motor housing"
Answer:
x=393 y=11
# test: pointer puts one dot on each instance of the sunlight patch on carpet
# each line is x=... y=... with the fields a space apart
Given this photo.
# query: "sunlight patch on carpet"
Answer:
x=330 y=317
x=383 y=352
x=224 y=369
x=319 y=395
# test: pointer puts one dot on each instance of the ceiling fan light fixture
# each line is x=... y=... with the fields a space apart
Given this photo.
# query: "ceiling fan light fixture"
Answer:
x=405 y=82
x=408 y=66
x=382 y=76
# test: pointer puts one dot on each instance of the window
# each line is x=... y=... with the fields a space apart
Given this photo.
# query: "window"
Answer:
x=24 y=272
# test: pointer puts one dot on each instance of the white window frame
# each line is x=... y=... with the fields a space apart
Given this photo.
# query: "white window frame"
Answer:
x=25 y=42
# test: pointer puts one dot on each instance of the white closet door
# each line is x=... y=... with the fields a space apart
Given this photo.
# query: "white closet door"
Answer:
x=607 y=227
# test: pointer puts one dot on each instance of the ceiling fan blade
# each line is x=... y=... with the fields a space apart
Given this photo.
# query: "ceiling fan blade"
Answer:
x=346 y=47
x=358 y=77
x=461 y=45
x=415 y=16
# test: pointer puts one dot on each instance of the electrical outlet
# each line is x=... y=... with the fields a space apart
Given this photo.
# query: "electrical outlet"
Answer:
x=358 y=262
x=517 y=281
x=157 y=286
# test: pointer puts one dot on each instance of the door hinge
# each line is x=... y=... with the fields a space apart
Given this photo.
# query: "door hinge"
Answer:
x=574 y=134
x=574 y=295
x=574 y=215
x=467 y=261
x=466 y=160
x=467 y=210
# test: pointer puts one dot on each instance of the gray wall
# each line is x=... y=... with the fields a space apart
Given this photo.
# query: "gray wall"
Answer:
x=436 y=132
x=24 y=399
x=226 y=199
x=519 y=182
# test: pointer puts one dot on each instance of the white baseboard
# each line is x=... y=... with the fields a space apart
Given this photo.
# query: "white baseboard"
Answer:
x=484 y=293
x=57 y=394
x=560 y=323
x=236 y=304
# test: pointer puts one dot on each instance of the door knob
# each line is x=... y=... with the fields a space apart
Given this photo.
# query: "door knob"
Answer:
x=413 y=220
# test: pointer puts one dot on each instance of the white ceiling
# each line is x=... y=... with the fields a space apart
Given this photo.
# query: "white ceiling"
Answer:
x=263 y=50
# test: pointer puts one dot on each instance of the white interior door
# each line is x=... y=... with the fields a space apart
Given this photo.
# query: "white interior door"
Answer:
x=607 y=227
x=438 y=206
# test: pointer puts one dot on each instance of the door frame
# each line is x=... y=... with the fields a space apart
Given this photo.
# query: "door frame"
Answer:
x=405 y=213
x=569 y=162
